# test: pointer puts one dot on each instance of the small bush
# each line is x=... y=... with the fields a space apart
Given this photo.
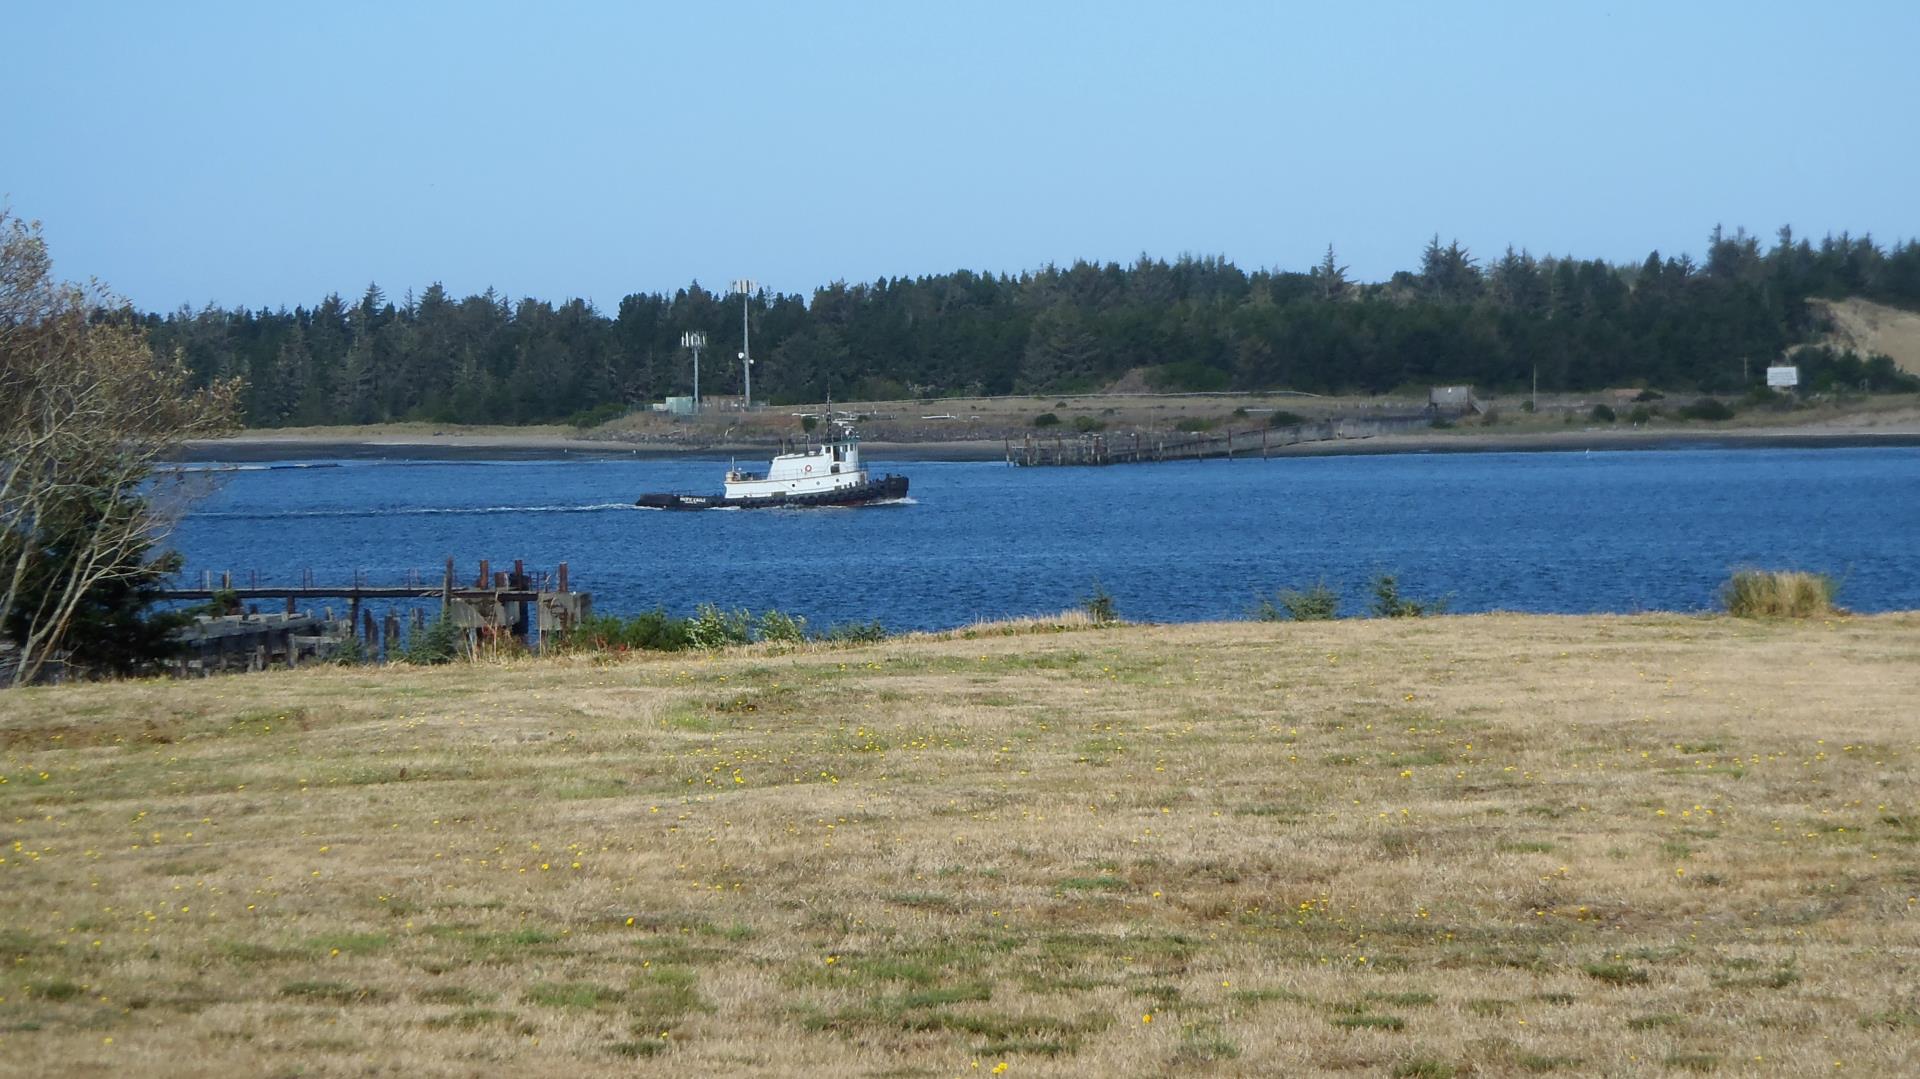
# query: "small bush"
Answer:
x=1648 y=395
x=1758 y=593
x=654 y=631
x=1283 y=418
x=1318 y=602
x=1046 y=419
x=714 y=628
x=1707 y=408
x=856 y=633
x=1087 y=424
x=1193 y=424
x=436 y=643
x=782 y=628
x=1640 y=414
x=1603 y=414
x=1100 y=606
x=808 y=423
x=1389 y=603
x=1441 y=423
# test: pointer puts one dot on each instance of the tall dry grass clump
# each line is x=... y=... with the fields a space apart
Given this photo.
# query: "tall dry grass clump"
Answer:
x=1761 y=593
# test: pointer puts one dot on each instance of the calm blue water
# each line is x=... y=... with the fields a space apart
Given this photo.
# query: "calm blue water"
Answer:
x=1572 y=532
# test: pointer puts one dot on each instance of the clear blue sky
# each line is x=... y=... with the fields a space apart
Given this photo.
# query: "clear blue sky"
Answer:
x=265 y=154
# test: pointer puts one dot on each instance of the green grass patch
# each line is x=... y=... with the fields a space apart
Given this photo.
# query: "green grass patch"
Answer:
x=1403 y=1000
x=1370 y=1021
x=453 y=994
x=472 y=1019
x=953 y=994
x=1093 y=884
x=1616 y=973
x=584 y=995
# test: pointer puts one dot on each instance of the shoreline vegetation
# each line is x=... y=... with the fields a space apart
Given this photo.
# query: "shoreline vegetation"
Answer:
x=982 y=434
x=1406 y=846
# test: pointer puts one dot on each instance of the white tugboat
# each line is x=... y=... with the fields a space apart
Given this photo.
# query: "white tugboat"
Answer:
x=830 y=474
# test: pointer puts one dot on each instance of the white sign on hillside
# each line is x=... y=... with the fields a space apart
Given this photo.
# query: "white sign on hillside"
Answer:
x=1784 y=376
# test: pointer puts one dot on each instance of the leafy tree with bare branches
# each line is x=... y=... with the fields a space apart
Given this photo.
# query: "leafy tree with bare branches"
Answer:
x=86 y=411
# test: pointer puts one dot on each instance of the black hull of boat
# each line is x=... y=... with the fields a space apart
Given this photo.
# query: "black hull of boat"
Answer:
x=884 y=489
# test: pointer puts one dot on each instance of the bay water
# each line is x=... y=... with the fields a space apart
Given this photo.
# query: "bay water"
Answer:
x=1540 y=532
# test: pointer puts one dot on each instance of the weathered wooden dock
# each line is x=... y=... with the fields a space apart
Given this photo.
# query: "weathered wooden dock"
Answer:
x=505 y=604
x=1100 y=448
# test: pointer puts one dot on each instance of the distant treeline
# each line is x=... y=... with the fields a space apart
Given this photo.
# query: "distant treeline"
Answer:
x=1192 y=324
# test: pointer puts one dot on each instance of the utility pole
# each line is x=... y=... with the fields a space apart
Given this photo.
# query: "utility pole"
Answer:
x=695 y=340
x=746 y=286
x=1536 y=389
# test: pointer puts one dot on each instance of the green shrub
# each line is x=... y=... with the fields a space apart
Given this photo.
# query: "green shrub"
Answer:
x=653 y=631
x=1046 y=419
x=1389 y=603
x=1603 y=414
x=1758 y=593
x=1088 y=425
x=1707 y=408
x=1441 y=423
x=1282 y=418
x=781 y=627
x=808 y=423
x=713 y=628
x=1317 y=602
x=1100 y=606
x=1194 y=423
x=1640 y=414
x=657 y=631
x=1648 y=395
x=435 y=643
x=856 y=633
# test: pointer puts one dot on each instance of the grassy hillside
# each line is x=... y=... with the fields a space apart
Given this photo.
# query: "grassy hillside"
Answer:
x=1494 y=844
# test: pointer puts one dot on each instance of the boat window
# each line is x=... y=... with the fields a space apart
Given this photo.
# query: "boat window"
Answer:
x=839 y=453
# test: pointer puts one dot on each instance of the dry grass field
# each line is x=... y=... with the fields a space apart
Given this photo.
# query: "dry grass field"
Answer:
x=1489 y=845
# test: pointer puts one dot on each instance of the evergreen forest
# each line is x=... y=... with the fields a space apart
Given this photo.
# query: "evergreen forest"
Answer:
x=1192 y=324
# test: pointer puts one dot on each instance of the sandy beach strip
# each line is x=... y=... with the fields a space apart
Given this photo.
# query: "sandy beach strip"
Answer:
x=547 y=444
